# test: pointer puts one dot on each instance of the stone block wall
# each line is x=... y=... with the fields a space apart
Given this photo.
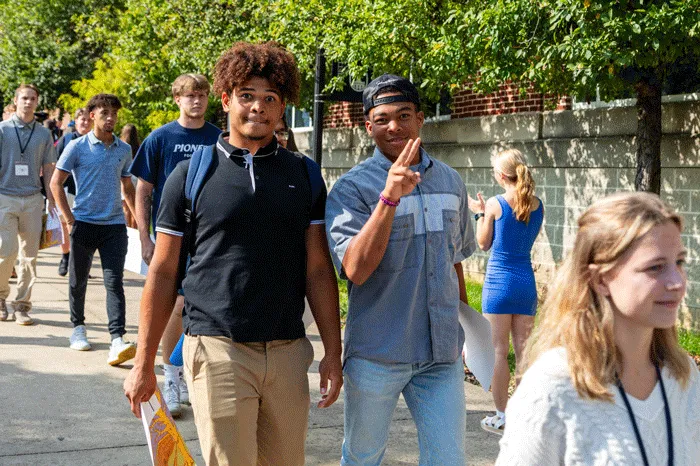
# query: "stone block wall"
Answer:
x=576 y=158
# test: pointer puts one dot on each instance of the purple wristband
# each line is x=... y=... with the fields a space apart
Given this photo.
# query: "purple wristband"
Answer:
x=388 y=202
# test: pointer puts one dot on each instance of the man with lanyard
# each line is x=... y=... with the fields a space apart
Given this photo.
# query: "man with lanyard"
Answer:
x=157 y=157
x=98 y=163
x=83 y=124
x=26 y=148
x=258 y=247
x=398 y=227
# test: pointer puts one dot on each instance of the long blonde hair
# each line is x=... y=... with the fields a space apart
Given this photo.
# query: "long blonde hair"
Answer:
x=579 y=319
x=512 y=163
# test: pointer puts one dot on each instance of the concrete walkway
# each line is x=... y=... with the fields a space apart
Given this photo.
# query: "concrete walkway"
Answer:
x=63 y=407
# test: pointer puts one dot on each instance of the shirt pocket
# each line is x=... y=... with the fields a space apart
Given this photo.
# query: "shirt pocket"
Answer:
x=451 y=231
x=399 y=253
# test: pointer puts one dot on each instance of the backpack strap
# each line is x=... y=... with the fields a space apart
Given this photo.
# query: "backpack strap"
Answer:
x=200 y=163
x=315 y=178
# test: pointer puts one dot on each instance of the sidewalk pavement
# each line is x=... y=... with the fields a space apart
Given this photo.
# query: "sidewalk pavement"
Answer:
x=64 y=407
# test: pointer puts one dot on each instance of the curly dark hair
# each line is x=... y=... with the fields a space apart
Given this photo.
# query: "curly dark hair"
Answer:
x=103 y=101
x=267 y=60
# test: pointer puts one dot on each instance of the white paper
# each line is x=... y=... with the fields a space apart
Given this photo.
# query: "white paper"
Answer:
x=134 y=262
x=308 y=316
x=21 y=169
x=148 y=412
x=479 y=354
x=53 y=222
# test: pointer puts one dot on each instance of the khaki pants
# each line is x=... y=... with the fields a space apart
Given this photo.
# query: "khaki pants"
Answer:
x=250 y=400
x=20 y=232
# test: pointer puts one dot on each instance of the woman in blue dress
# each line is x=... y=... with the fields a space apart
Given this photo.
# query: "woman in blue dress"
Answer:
x=508 y=224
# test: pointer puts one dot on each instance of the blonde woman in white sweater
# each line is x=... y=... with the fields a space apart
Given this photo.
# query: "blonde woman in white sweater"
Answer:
x=606 y=381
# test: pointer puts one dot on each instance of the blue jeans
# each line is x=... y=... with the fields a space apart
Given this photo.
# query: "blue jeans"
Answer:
x=434 y=394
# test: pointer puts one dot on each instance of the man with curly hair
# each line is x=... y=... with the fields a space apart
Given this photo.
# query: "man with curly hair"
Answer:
x=258 y=248
x=156 y=159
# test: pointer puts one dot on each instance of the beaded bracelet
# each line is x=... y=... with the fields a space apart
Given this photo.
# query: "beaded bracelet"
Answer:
x=388 y=202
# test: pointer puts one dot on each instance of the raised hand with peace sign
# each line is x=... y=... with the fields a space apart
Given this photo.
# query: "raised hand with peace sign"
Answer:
x=401 y=179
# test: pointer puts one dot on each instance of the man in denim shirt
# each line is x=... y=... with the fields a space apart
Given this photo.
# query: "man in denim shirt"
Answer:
x=398 y=228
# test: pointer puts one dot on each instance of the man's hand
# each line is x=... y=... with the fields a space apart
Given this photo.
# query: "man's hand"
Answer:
x=331 y=369
x=402 y=180
x=147 y=248
x=139 y=386
x=51 y=205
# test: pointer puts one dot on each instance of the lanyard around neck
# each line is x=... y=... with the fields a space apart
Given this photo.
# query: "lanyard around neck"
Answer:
x=19 y=139
x=667 y=412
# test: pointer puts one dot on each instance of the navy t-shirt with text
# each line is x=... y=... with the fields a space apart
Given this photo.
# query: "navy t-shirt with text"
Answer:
x=163 y=149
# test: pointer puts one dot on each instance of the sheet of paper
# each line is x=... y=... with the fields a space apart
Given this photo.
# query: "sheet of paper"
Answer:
x=134 y=262
x=165 y=444
x=21 y=169
x=479 y=355
x=308 y=316
x=53 y=221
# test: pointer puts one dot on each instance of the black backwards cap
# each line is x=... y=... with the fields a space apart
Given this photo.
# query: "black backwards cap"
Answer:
x=409 y=93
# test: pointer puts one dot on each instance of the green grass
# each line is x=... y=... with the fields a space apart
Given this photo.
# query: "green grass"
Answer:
x=343 y=292
x=688 y=339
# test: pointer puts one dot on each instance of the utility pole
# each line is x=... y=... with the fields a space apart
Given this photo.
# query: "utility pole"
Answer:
x=319 y=84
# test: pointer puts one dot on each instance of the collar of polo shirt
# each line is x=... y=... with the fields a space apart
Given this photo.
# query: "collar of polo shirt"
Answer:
x=20 y=122
x=232 y=151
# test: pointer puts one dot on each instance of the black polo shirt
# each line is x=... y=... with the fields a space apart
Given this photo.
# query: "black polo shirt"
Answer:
x=247 y=275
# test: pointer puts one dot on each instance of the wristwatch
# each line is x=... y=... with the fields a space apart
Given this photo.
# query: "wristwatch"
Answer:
x=478 y=216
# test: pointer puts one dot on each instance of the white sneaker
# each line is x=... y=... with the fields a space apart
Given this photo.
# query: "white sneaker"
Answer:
x=184 y=393
x=172 y=398
x=120 y=352
x=78 y=340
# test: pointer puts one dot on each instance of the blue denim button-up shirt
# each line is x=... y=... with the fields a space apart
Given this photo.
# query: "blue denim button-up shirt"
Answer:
x=406 y=311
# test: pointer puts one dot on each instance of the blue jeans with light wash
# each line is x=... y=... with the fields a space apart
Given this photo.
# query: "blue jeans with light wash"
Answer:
x=434 y=394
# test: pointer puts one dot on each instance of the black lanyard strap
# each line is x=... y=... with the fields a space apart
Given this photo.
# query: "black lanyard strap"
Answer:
x=19 y=140
x=667 y=412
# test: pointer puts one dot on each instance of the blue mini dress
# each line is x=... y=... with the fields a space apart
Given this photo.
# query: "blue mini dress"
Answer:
x=509 y=286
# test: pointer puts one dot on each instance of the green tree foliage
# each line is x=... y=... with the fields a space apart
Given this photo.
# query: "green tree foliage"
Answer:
x=157 y=41
x=406 y=37
x=160 y=40
x=42 y=42
x=112 y=77
x=564 y=47
x=577 y=46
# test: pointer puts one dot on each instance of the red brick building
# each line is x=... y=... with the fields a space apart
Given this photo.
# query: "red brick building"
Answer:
x=465 y=103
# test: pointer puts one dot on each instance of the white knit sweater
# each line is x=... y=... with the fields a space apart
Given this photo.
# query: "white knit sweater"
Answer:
x=547 y=423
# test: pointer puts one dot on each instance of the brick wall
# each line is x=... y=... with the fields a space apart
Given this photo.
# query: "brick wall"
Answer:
x=344 y=115
x=507 y=99
x=465 y=103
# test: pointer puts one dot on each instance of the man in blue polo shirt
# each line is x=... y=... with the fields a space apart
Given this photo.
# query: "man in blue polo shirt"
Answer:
x=98 y=163
x=398 y=227
x=157 y=157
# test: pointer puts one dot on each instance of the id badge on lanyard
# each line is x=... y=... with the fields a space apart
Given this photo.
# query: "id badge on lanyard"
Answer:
x=21 y=169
